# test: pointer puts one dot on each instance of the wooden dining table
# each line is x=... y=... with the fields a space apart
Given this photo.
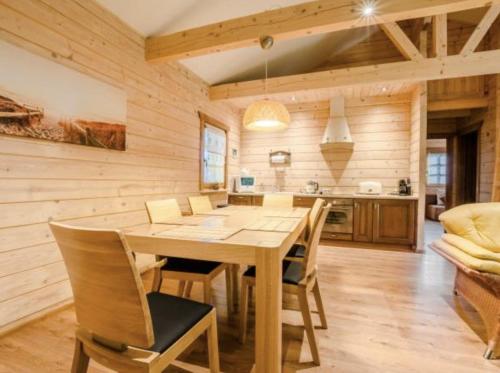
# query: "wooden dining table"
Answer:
x=247 y=235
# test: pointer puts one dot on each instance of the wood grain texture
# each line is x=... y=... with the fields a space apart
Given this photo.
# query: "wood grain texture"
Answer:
x=401 y=303
x=436 y=68
x=418 y=155
x=301 y=20
x=381 y=135
x=44 y=181
x=262 y=248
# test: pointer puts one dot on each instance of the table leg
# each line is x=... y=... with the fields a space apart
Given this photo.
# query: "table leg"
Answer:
x=268 y=311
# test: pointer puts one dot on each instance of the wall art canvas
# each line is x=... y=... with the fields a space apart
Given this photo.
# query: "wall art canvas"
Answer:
x=42 y=99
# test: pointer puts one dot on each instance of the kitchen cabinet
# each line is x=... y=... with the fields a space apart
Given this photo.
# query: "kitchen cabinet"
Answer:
x=245 y=200
x=240 y=200
x=300 y=201
x=375 y=221
x=363 y=220
x=394 y=221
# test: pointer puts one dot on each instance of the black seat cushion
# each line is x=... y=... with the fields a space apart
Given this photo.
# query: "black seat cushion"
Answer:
x=190 y=265
x=297 y=251
x=292 y=272
x=172 y=317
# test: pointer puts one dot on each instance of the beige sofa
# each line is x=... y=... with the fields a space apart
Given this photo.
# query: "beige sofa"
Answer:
x=472 y=244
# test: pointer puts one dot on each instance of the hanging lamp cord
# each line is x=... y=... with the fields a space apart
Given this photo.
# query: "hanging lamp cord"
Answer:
x=265 y=69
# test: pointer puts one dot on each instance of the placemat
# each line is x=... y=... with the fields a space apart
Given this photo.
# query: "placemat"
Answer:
x=191 y=232
x=272 y=224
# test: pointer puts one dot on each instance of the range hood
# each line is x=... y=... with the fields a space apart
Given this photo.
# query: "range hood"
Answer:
x=337 y=135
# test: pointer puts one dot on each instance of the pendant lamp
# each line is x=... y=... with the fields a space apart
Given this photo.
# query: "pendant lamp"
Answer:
x=266 y=115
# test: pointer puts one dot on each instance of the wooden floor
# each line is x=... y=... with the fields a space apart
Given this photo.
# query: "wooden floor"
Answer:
x=387 y=312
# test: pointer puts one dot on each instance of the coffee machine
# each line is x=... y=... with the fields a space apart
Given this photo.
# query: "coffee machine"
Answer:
x=405 y=187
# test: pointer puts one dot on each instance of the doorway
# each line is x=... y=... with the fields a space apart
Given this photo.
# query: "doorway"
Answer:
x=467 y=164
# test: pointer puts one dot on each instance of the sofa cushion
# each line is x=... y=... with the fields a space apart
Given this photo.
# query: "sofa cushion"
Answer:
x=172 y=317
x=477 y=222
x=469 y=261
x=470 y=248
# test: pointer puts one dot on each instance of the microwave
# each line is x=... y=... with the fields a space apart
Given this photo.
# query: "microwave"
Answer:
x=245 y=184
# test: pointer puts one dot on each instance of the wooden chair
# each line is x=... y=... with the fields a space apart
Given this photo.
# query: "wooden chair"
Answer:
x=298 y=278
x=278 y=200
x=200 y=204
x=298 y=250
x=120 y=326
x=186 y=271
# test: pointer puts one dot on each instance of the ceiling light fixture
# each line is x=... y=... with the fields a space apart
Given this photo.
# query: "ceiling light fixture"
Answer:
x=266 y=115
x=368 y=10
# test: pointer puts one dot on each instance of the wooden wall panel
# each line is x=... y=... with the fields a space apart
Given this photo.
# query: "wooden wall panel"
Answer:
x=380 y=128
x=42 y=181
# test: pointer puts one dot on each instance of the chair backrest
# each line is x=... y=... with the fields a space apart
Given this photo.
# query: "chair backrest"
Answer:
x=110 y=300
x=314 y=215
x=200 y=204
x=160 y=210
x=278 y=200
x=476 y=222
x=313 y=241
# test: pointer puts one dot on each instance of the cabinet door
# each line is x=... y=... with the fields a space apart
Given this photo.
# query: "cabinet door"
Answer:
x=257 y=200
x=303 y=201
x=240 y=200
x=363 y=220
x=394 y=221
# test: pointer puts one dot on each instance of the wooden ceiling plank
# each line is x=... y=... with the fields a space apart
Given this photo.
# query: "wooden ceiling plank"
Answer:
x=481 y=30
x=310 y=18
x=401 y=41
x=440 y=35
x=479 y=63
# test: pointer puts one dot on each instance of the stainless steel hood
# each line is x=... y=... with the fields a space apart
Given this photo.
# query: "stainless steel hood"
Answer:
x=337 y=134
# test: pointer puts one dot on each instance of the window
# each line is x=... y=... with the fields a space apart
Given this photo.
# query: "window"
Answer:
x=436 y=168
x=213 y=159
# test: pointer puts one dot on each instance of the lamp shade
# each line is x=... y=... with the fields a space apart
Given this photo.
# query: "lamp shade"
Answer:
x=266 y=115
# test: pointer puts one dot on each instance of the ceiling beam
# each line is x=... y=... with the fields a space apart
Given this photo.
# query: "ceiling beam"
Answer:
x=481 y=30
x=479 y=63
x=301 y=20
x=460 y=113
x=401 y=41
x=458 y=104
x=440 y=35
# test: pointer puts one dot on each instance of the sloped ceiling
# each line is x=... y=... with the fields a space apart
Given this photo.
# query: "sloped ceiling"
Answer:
x=157 y=17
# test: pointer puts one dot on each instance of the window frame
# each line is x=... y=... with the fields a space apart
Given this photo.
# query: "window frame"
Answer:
x=206 y=119
x=440 y=152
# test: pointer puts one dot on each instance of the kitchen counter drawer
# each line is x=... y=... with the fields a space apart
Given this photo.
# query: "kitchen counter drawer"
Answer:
x=240 y=200
x=336 y=236
x=303 y=201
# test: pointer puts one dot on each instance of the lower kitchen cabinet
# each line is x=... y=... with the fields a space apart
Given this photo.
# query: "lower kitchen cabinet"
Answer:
x=394 y=221
x=363 y=220
x=374 y=221
x=240 y=200
x=245 y=200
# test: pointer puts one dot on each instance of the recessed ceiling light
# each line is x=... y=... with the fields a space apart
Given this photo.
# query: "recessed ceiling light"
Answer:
x=293 y=98
x=384 y=89
x=368 y=10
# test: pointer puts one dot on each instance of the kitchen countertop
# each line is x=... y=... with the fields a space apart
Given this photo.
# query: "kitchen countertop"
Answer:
x=333 y=195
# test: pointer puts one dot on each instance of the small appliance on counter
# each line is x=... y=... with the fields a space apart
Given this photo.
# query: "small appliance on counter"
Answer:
x=404 y=187
x=312 y=187
x=370 y=187
x=244 y=184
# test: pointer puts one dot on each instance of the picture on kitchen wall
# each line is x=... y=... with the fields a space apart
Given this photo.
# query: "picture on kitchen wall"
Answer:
x=42 y=99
